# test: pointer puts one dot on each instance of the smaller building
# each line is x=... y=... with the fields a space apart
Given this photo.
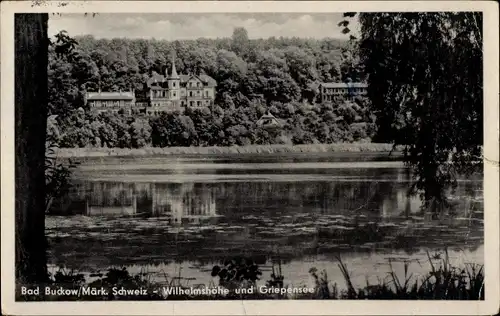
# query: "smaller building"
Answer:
x=114 y=102
x=331 y=91
x=268 y=120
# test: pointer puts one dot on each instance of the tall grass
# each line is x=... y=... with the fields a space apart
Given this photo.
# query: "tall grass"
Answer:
x=443 y=282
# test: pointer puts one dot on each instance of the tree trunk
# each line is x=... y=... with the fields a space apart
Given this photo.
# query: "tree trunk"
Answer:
x=31 y=58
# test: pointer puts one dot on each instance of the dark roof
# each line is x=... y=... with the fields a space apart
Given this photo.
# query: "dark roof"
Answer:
x=157 y=88
x=268 y=117
x=344 y=85
x=110 y=95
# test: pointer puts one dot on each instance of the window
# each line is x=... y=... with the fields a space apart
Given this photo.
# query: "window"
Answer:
x=190 y=93
x=191 y=103
x=174 y=94
x=173 y=84
x=198 y=92
x=206 y=94
x=198 y=103
x=198 y=84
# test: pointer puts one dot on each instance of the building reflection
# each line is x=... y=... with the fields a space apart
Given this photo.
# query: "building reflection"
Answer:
x=402 y=204
x=195 y=202
x=182 y=202
x=177 y=201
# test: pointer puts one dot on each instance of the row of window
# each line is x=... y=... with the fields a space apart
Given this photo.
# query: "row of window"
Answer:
x=164 y=94
x=183 y=103
x=105 y=104
x=332 y=97
x=344 y=90
x=191 y=84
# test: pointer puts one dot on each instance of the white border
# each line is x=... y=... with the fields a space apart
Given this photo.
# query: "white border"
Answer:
x=319 y=307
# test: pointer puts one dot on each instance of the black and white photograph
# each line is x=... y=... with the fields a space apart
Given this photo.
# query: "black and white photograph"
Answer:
x=248 y=154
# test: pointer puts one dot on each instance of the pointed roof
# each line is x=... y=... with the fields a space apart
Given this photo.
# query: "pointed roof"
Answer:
x=268 y=120
x=155 y=77
x=268 y=115
x=174 y=74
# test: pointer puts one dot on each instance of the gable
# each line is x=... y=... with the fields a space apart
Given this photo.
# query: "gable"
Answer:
x=194 y=79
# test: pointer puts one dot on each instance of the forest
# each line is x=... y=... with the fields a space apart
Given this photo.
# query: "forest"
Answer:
x=254 y=77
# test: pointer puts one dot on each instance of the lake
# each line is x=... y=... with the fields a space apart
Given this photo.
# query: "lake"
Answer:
x=179 y=216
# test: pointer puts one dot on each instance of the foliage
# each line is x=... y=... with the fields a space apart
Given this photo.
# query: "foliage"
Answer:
x=425 y=81
x=237 y=273
x=57 y=174
x=254 y=76
x=216 y=127
x=57 y=178
x=283 y=69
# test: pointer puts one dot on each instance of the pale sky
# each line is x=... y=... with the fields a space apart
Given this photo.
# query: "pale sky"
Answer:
x=180 y=26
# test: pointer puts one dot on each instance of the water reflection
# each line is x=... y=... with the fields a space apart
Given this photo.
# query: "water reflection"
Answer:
x=359 y=212
x=177 y=202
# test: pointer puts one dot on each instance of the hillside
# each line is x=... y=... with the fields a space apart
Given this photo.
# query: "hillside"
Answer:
x=277 y=75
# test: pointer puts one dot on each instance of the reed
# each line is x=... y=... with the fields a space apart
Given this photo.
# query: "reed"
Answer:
x=443 y=282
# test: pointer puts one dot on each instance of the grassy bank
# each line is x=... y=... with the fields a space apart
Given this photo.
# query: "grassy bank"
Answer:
x=253 y=149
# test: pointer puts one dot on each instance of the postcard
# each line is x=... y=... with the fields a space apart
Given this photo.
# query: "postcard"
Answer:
x=250 y=158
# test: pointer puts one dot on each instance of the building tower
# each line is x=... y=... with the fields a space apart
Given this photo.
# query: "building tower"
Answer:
x=174 y=84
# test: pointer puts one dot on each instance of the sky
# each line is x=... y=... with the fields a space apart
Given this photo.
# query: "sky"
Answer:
x=179 y=26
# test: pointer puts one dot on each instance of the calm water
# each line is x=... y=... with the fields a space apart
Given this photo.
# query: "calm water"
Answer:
x=169 y=217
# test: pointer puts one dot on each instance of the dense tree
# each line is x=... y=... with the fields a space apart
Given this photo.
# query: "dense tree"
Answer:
x=140 y=132
x=426 y=87
x=277 y=75
x=282 y=69
x=240 y=42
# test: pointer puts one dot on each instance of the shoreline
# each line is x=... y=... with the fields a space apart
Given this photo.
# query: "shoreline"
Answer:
x=215 y=150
